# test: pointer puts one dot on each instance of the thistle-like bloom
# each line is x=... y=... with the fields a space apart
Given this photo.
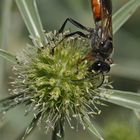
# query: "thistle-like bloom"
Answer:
x=56 y=87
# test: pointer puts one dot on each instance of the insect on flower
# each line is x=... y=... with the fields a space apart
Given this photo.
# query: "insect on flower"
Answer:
x=100 y=36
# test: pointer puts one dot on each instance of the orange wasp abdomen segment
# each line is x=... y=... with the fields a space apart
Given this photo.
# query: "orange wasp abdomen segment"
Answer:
x=96 y=9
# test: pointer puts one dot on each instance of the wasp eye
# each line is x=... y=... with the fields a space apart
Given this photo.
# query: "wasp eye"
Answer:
x=100 y=66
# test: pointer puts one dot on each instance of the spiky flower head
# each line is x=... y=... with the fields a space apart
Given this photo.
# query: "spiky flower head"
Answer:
x=57 y=85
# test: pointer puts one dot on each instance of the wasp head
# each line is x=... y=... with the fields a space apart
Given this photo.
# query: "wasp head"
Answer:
x=100 y=66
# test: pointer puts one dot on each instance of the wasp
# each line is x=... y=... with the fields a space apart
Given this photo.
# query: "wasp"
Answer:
x=101 y=36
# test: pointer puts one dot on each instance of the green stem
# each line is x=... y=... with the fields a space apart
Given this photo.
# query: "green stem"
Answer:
x=58 y=132
x=29 y=12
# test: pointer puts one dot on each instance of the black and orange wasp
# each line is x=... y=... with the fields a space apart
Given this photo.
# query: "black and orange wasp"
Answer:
x=101 y=36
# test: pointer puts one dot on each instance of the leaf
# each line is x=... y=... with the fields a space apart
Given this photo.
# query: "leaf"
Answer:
x=92 y=127
x=137 y=113
x=30 y=128
x=29 y=12
x=7 y=56
x=124 y=13
x=128 y=70
x=5 y=20
x=5 y=23
x=126 y=99
x=9 y=102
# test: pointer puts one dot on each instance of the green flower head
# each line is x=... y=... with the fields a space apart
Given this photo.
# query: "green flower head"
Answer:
x=55 y=83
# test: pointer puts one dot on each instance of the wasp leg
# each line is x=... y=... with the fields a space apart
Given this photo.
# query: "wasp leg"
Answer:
x=70 y=35
x=102 y=80
x=76 y=33
x=92 y=78
x=75 y=23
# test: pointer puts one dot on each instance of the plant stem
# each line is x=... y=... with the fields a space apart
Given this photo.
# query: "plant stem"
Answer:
x=58 y=132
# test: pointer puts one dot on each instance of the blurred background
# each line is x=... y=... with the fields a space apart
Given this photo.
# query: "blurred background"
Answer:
x=115 y=122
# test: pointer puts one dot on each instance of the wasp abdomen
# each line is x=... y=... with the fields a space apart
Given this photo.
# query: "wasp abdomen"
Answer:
x=96 y=7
